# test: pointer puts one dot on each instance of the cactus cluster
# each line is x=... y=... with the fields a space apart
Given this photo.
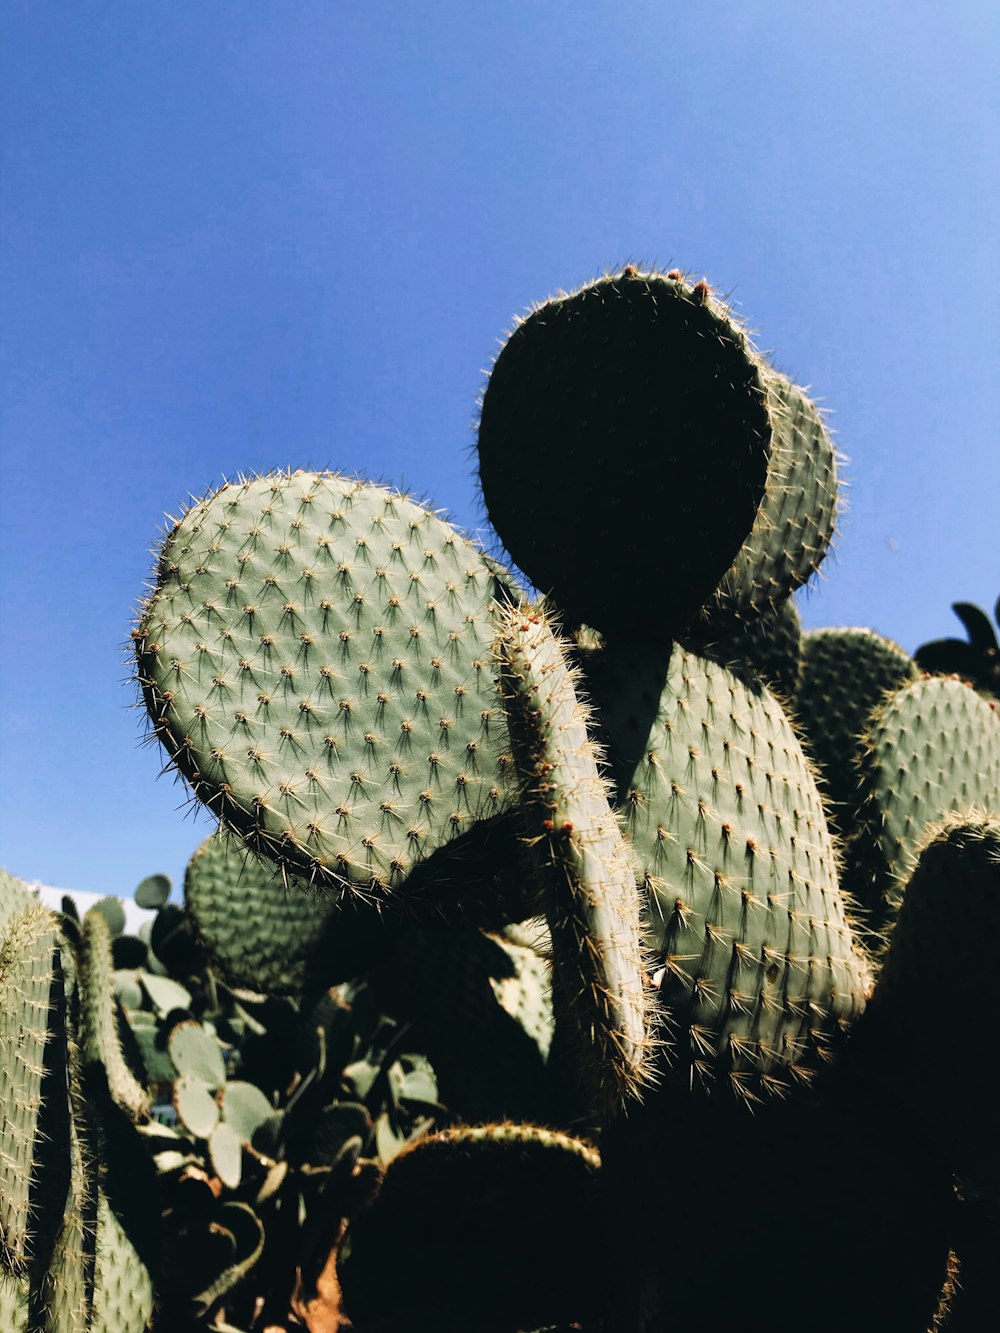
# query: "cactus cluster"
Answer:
x=611 y=957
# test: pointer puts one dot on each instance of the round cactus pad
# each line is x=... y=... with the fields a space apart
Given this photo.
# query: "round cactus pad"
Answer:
x=623 y=449
x=315 y=657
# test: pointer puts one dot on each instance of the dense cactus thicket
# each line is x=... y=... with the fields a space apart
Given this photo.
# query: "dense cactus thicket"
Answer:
x=603 y=953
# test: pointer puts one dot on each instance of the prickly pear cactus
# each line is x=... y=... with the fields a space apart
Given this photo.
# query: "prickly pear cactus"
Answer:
x=315 y=658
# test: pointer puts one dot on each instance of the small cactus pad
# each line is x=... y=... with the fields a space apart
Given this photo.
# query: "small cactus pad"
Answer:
x=490 y=1228
x=315 y=658
x=623 y=449
x=758 y=959
x=843 y=676
x=272 y=932
x=580 y=859
x=932 y=749
x=795 y=522
x=943 y=943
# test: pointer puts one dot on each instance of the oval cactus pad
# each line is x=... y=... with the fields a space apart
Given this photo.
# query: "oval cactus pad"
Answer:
x=623 y=449
x=759 y=964
x=315 y=657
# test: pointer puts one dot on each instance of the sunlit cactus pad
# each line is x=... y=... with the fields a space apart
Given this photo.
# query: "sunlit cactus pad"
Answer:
x=581 y=860
x=760 y=967
x=623 y=448
x=796 y=519
x=315 y=658
x=932 y=749
x=29 y=1022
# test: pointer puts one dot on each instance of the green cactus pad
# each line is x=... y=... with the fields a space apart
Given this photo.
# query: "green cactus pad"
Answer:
x=796 y=519
x=226 y=1152
x=759 y=965
x=28 y=956
x=153 y=891
x=273 y=932
x=314 y=657
x=13 y=1303
x=579 y=856
x=844 y=675
x=195 y=1051
x=195 y=1106
x=932 y=749
x=490 y=1228
x=614 y=421
x=15 y=897
x=923 y=1033
x=123 y=1289
x=767 y=644
x=99 y=1012
x=244 y=1108
x=66 y=1292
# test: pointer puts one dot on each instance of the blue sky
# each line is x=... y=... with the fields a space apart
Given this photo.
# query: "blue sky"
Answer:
x=247 y=235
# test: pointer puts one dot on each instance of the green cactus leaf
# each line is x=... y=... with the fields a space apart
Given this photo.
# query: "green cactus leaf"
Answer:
x=113 y=911
x=244 y=1108
x=153 y=891
x=328 y=692
x=931 y=750
x=196 y=1107
x=31 y=1016
x=580 y=858
x=99 y=1013
x=225 y=1148
x=165 y=994
x=123 y=1287
x=196 y=1052
x=759 y=967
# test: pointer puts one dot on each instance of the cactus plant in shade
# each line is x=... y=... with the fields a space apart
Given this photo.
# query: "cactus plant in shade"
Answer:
x=617 y=960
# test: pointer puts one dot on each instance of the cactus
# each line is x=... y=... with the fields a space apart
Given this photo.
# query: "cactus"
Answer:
x=524 y=919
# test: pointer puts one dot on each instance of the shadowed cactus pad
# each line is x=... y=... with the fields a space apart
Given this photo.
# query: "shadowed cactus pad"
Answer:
x=275 y=933
x=315 y=658
x=759 y=965
x=943 y=942
x=490 y=1228
x=844 y=675
x=623 y=449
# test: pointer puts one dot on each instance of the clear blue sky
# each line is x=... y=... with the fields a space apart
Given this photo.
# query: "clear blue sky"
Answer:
x=242 y=235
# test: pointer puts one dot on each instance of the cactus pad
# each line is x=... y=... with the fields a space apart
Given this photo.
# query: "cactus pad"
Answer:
x=580 y=858
x=759 y=966
x=624 y=414
x=932 y=749
x=491 y=1228
x=796 y=519
x=944 y=942
x=315 y=659
x=272 y=932
x=844 y=675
